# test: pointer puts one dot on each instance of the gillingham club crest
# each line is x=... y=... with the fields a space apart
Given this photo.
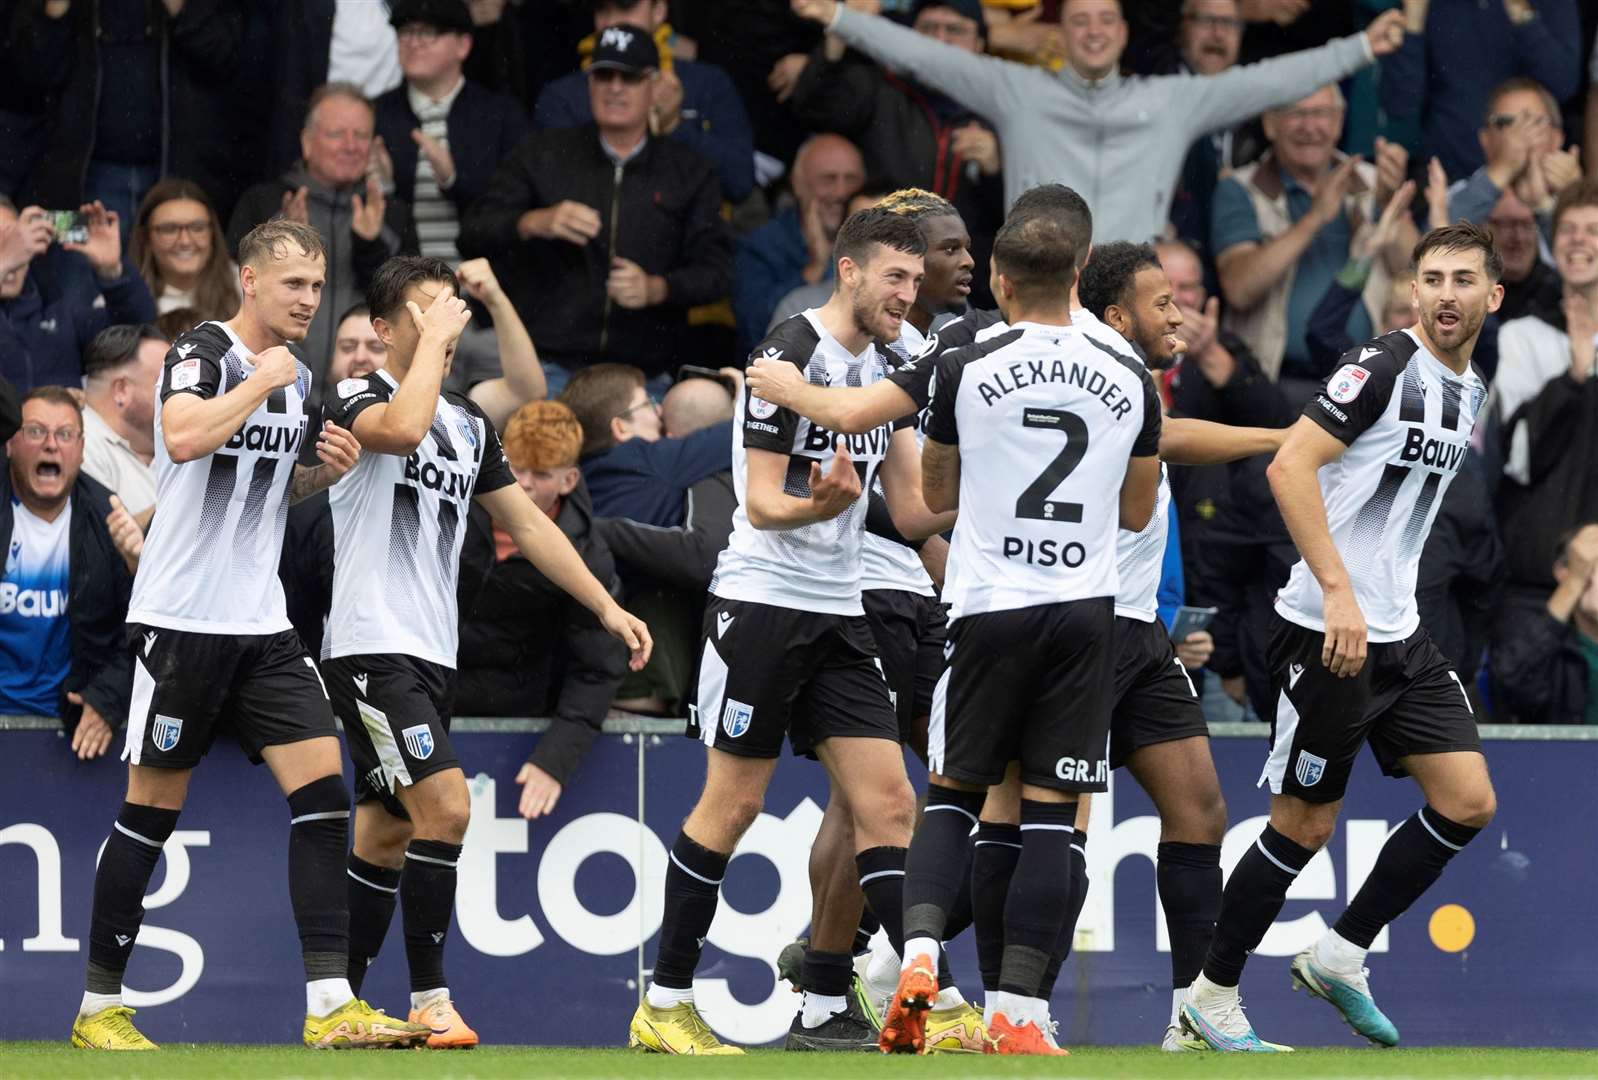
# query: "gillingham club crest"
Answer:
x=165 y=732
x=419 y=741
x=1309 y=769
x=735 y=717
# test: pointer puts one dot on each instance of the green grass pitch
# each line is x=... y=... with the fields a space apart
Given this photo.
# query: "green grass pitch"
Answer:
x=54 y=1061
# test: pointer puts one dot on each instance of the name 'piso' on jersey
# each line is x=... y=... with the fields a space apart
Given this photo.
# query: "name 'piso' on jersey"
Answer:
x=1406 y=418
x=210 y=561
x=399 y=524
x=1045 y=418
x=814 y=567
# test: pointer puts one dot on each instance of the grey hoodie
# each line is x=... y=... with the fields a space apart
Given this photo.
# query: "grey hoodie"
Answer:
x=1119 y=142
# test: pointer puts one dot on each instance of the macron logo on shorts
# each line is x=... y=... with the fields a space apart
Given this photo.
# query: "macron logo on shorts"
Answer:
x=723 y=623
x=735 y=718
x=1309 y=769
x=1294 y=672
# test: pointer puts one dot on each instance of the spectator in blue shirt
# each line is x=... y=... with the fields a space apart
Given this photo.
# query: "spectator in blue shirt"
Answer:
x=794 y=248
x=696 y=104
x=44 y=330
x=1285 y=225
x=1456 y=51
x=631 y=469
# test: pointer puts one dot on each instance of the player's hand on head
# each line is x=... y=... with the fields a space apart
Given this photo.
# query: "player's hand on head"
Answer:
x=772 y=380
x=337 y=448
x=540 y=791
x=92 y=736
x=275 y=366
x=446 y=316
x=632 y=632
x=1343 y=650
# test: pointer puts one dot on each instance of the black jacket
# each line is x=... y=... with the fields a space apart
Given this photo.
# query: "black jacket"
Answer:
x=1461 y=571
x=202 y=53
x=1539 y=673
x=97 y=597
x=683 y=557
x=1562 y=433
x=484 y=127
x=904 y=132
x=664 y=215
x=306 y=568
x=528 y=649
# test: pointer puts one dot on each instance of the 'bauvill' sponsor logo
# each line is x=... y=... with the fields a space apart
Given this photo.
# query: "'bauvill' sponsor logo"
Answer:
x=1438 y=453
x=268 y=438
x=433 y=477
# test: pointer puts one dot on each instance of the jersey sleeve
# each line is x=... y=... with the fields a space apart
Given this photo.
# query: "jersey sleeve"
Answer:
x=944 y=388
x=1357 y=392
x=351 y=397
x=766 y=425
x=494 y=473
x=194 y=365
x=1147 y=443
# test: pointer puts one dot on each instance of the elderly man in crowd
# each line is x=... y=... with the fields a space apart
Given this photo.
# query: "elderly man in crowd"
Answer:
x=1119 y=142
x=331 y=189
x=1285 y=225
x=609 y=234
x=60 y=558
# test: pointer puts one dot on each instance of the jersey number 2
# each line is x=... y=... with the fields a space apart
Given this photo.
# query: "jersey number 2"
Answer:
x=1034 y=501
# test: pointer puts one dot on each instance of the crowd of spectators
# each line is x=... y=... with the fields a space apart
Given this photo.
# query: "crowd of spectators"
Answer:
x=656 y=182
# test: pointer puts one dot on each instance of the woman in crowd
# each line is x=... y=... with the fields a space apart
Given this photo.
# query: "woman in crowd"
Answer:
x=179 y=249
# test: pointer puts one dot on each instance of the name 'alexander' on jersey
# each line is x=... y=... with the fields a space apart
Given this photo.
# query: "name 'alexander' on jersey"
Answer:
x=998 y=384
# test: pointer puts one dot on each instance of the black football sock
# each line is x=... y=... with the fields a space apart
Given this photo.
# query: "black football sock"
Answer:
x=374 y=890
x=1040 y=895
x=994 y=853
x=869 y=925
x=427 y=894
x=693 y=886
x=1253 y=898
x=120 y=881
x=882 y=880
x=319 y=840
x=1079 y=895
x=1412 y=858
x=936 y=862
x=960 y=914
x=827 y=974
x=1188 y=877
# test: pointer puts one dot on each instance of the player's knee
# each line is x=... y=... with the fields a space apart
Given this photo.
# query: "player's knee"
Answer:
x=739 y=812
x=1474 y=808
x=1209 y=816
x=887 y=815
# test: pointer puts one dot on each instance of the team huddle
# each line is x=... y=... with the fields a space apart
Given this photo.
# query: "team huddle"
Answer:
x=1022 y=659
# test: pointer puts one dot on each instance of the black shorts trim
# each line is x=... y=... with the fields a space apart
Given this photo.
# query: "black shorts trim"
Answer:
x=1407 y=699
x=395 y=711
x=767 y=672
x=262 y=688
x=1156 y=700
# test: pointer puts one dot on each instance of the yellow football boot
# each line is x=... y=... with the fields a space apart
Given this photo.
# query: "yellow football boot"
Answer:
x=675 y=1030
x=109 y=1029
x=355 y=1025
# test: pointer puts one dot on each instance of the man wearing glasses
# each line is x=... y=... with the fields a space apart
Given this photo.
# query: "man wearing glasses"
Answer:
x=608 y=234
x=58 y=548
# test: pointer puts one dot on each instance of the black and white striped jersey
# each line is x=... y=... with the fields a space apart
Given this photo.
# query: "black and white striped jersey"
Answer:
x=814 y=567
x=398 y=526
x=1045 y=418
x=884 y=563
x=210 y=561
x=1406 y=419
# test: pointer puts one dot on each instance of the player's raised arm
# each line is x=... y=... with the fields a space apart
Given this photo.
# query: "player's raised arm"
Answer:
x=542 y=543
x=848 y=409
x=1293 y=478
x=398 y=426
x=1185 y=441
x=902 y=485
x=522 y=376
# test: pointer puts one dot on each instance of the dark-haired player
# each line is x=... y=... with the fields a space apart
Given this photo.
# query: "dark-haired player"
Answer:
x=213 y=644
x=398 y=526
x=787 y=651
x=1359 y=481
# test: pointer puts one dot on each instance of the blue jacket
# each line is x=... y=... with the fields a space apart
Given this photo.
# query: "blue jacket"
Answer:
x=646 y=481
x=1172 y=592
x=42 y=338
x=769 y=264
x=713 y=120
x=1443 y=77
